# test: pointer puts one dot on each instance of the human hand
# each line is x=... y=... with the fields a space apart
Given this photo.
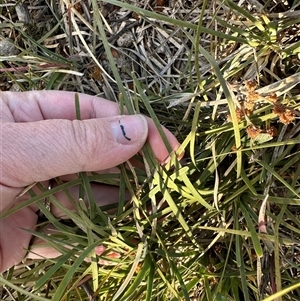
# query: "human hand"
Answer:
x=41 y=139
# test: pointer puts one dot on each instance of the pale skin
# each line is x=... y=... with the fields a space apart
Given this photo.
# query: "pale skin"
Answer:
x=41 y=139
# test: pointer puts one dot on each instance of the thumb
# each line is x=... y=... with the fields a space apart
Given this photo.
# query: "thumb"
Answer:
x=38 y=151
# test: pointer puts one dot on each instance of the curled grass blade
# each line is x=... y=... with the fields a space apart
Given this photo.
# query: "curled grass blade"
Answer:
x=255 y=239
x=129 y=277
x=61 y=291
x=21 y=291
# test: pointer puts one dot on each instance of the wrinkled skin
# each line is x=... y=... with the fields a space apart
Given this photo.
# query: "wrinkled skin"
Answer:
x=41 y=139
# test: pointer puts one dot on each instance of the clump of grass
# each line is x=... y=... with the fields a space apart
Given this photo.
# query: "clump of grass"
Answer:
x=224 y=78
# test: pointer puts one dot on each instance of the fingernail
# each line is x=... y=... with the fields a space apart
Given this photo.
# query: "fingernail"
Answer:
x=130 y=129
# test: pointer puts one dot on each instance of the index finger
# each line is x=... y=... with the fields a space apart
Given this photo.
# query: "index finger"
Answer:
x=42 y=105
